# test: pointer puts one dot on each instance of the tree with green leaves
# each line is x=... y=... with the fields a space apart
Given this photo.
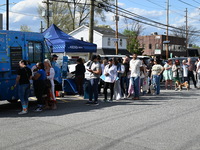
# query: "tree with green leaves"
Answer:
x=25 y=28
x=195 y=46
x=132 y=31
x=71 y=14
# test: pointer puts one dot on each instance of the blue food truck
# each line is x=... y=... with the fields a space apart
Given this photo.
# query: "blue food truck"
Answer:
x=15 y=46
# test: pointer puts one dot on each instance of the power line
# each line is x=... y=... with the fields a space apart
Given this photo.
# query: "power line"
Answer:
x=141 y=4
x=173 y=11
x=124 y=13
x=188 y=4
x=196 y=1
x=21 y=13
x=155 y=4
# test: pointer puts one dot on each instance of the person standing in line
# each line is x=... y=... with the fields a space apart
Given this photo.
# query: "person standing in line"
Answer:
x=120 y=71
x=157 y=70
x=198 y=72
x=101 y=82
x=117 y=86
x=93 y=79
x=136 y=67
x=191 y=72
x=177 y=72
x=79 y=75
x=110 y=72
x=23 y=76
x=143 y=79
x=149 y=69
x=126 y=76
x=50 y=73
x=39 y=85
x=167 y=74
x=185 y=71
x=56 y=68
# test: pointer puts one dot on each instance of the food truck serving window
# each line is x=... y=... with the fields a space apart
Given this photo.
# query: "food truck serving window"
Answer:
x=34 y=51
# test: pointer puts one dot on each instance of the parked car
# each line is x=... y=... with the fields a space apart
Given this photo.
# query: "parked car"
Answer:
x=193 y=59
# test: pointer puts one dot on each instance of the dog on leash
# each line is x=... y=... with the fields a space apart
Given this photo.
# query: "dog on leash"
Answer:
x=179 y=85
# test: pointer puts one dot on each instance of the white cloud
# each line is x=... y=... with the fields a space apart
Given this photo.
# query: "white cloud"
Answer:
x=121 y=4
x=24 y=13
x=149 y=14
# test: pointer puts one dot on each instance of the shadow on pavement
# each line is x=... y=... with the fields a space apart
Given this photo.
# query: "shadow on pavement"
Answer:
x=74 y=104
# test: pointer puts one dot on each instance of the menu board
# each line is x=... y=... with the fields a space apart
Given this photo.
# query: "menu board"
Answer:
x=15 y=57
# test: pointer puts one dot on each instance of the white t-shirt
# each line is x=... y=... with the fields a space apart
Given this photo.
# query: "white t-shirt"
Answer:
x=156 y=69
x=198 y=66
x=112 y=71
x=95 y=66
x=135 y=67
x=185 y=70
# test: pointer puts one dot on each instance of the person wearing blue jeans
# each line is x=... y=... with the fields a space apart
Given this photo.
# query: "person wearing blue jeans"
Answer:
x=136 y=67
x=23 y=77
x=93 y=78
x=23 y=92
x=157 y=70
x=136 y=86
x=156 y=83
x=93 y=89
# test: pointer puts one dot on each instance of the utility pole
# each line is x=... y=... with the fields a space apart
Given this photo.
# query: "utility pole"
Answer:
x=167 y=32
x=91 y=25
x=186 y=30
x=47 y=14
x=116 y=32
x=41 y=28
x=7 y=14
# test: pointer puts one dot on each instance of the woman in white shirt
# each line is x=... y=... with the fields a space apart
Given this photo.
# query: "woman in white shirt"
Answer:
x=185 y=70
x=157 y=70
x=110 y=72
x=50 y=75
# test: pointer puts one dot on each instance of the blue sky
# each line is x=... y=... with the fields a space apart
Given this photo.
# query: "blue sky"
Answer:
x=24 y=12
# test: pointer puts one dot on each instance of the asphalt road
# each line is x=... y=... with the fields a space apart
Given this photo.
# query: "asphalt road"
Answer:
x=169 y=121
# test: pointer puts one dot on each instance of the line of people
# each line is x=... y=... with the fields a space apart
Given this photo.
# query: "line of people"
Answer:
x=181 y=72
x=42 y=76
x=131 y=76
x=123 y=77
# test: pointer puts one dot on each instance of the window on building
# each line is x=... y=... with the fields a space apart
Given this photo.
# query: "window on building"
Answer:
x=81 y=38
x=157 y=46
x=150 y=46
x=34 y=51
x=108 y=42
x=120 y=42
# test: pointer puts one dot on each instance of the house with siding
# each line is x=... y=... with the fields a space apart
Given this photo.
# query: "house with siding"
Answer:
x=104 y=38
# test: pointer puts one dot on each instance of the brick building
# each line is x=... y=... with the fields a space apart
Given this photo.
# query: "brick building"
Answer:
x=154 y=45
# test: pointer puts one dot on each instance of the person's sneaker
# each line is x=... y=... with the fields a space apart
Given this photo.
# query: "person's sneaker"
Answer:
x=110 y=101
x=22 y=112
x=95 y=103
x=105 y=100
x=135 y=98
x=39 y=109
x=89 y=103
